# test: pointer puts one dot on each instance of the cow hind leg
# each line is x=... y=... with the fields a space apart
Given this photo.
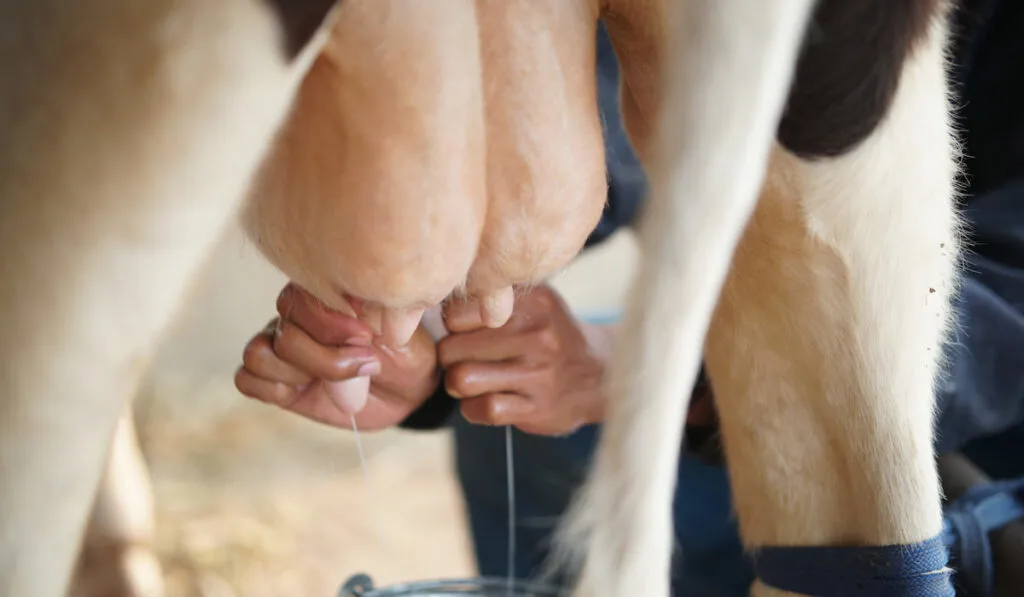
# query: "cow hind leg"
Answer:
x=827 y=339
x=728 y=66
x=117 y=558
x=128 y=133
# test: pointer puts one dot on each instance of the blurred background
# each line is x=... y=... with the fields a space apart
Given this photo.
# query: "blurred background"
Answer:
x=252 y=501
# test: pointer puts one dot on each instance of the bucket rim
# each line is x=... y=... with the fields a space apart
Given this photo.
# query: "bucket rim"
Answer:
x=361 y=585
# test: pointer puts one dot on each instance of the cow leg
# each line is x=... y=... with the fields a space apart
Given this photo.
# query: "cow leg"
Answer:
x=117 y=558
x=128 y=133
x=728 y=66
x=825 y=345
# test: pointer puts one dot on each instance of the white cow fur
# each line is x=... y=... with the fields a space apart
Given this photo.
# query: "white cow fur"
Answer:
x=117 y=558
x=824 y=347
x=128 y=139
x=824 y=387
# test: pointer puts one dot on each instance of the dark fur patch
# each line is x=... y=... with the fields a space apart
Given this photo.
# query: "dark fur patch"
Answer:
x=848 y=71
x=300 y=20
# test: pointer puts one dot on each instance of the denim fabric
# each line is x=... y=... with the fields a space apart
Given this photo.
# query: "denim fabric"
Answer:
x=709 y=560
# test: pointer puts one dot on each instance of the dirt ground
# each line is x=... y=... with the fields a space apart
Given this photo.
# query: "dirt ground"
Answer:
x=258 y=504
x=252 y=502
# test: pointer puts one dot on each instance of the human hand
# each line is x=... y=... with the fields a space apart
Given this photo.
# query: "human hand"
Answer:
x=301 y=360
x=540 y=372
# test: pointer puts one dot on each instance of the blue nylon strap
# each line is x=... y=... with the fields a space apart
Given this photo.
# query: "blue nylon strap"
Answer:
x=968 y=522
x=916 y=570
x=601 y=317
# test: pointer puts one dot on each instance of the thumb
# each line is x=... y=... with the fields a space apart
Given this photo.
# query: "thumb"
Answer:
x=326 y=326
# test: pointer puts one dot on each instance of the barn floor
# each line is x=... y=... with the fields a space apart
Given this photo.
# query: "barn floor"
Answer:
x=252 y=502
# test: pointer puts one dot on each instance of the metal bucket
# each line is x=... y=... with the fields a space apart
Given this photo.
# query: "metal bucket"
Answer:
x=362 y=586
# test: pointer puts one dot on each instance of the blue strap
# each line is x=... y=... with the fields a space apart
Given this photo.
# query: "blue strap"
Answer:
x=601 y=317
x=968 y=522
x=916 y=570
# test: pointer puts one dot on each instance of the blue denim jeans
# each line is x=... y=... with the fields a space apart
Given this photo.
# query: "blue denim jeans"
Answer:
x=709 y=560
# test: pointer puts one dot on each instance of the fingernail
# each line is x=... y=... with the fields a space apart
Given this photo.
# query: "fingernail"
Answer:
x=368 y=370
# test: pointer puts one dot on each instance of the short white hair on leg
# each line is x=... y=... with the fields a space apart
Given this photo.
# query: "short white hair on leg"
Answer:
x=728 y=68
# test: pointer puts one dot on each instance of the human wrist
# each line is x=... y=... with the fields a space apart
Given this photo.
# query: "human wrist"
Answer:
x=428 y=384
x=433 y=410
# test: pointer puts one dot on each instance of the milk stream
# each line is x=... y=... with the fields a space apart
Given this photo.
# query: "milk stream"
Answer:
x=510 y=482
x=432 y=321
x=359 y=448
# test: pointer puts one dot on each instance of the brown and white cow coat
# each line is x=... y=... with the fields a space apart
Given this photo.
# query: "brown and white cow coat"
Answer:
x=453 y=146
